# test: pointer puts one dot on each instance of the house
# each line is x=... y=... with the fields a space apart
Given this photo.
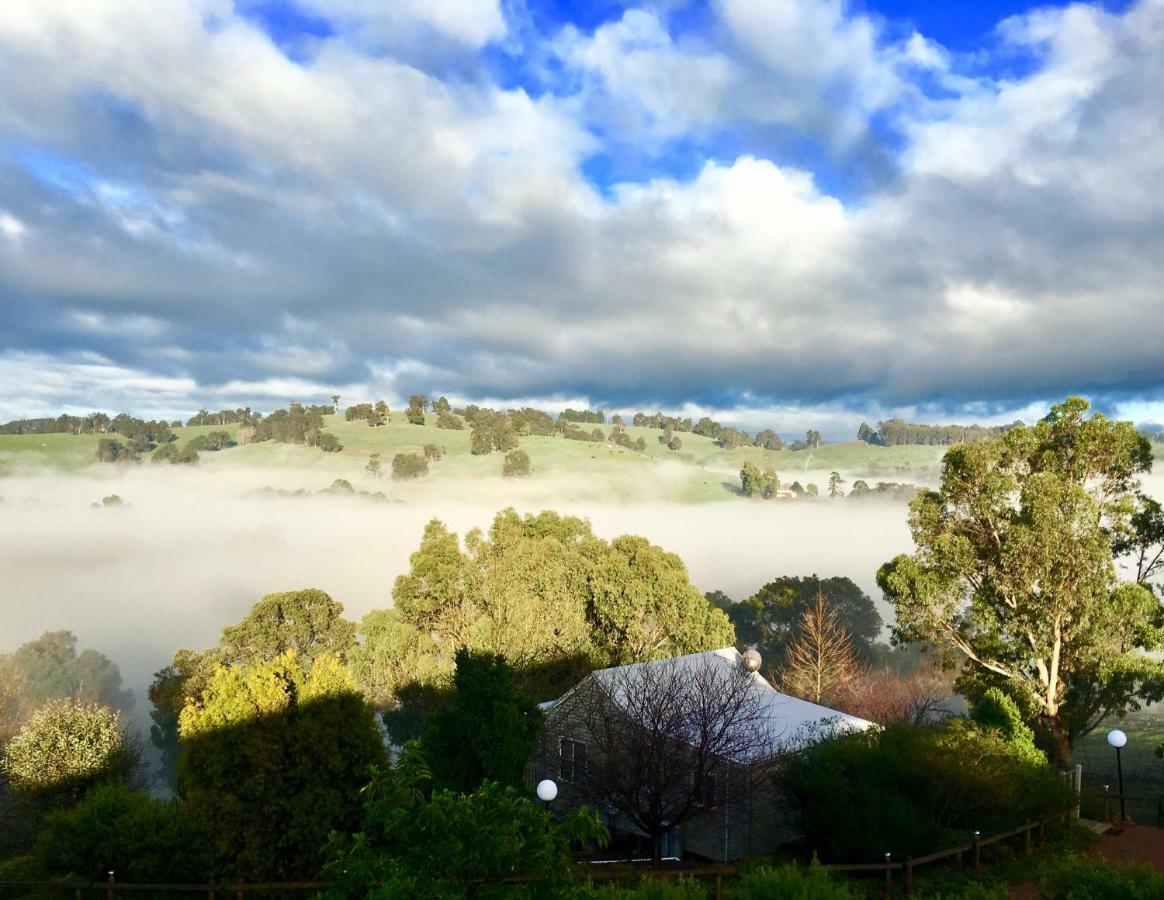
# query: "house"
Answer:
x=690 y=741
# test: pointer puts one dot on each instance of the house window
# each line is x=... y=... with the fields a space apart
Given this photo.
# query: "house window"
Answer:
x=573 y=760
x=709 y=795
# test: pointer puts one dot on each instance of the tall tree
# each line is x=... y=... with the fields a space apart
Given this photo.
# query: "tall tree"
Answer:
x=768 y=619
x=275 y=756
x=485 y=731
x=1014 y=570
x=820 y=664
x=835 y=482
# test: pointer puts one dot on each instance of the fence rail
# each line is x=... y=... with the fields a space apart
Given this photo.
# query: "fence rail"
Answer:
x=586 y=872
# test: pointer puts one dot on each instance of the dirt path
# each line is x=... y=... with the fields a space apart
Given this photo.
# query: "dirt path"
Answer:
x=1140 y=843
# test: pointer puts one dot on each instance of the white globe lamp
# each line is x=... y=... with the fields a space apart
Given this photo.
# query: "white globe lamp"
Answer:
x=547 y=791
x=1117 y=739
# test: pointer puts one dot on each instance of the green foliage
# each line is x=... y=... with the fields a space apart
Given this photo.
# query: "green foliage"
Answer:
x=394 y=653
x=274 y=756
x=406 y=466
x=913 y=790
x=415 y=844
x=647 y=889
x=516 y=464
x=995 y=711
x=1099 y=880
x=433 y=452
x=117 y=829
x=51 y=668
x=375 y=465
x=790 y=882
x=64 y=749
x=759 y=483
x=308 y=622
x=485 y=731
x=449 y=421
x=417 y=404
x=767 y=620
x=329 y=443
x=113 y=450
x=1014 y=570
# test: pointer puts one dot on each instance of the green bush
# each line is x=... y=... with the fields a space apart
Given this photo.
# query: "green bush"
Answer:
x=406 y=466
x=790 y=883
x=1099 y=880
x=647 y=889
x=912 y=790
x=124 y=831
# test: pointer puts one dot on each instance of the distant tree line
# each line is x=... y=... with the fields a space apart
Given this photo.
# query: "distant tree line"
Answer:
x=243 y=416
x=584 y=416
x=898 y=432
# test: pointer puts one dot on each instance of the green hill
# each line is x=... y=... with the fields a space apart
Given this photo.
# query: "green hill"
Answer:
x=698 y=472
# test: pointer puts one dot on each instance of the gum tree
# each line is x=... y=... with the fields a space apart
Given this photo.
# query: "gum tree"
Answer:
x=1015 y=571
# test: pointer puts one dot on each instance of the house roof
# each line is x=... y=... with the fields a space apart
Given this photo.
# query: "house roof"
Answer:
x=788 y=720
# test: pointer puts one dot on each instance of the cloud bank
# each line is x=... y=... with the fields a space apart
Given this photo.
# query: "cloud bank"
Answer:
x=779 y=205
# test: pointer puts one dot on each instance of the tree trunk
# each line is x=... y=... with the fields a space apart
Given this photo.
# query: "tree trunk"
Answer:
x=657 y=851
x=1060 y=750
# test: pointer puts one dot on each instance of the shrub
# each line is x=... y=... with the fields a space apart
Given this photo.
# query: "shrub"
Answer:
x=449 y=421
x=647 y=889
x=1098 y=880
x=126 y=831
x=914 y=790
x=413 y=843
x=406 y=466
x=790 y=883
x=433 y=452
x=329 y=443
x=66 y=748
x=516 y=464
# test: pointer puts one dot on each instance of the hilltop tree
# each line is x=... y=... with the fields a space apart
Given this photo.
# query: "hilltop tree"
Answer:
x=757 y=482
x=335 y=402
x=1014 y=570
x=835 y=482
x=812 y=439
x=516 y=464
x=865 y=433
x=375 y=466
x=820 y=663
x=417 y=404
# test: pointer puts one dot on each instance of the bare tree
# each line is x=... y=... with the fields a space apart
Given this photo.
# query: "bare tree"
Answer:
x=884 y=696
x=672 y=740
x=820 y=664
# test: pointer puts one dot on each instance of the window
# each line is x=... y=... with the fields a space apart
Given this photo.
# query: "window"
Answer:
x=709 y=795
x=573 y=760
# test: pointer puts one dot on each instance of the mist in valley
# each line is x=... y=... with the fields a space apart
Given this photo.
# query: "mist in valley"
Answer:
x=189 y=551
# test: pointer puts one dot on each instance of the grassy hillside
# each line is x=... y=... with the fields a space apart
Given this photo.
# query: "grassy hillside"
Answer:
x=698 y=472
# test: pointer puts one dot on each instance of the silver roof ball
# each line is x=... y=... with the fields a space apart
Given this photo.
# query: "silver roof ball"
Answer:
x=752 y=660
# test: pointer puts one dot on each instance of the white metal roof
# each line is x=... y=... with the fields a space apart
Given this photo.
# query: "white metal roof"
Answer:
x=790 y=721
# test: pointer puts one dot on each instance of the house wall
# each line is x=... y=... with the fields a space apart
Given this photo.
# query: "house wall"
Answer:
x=754 y=824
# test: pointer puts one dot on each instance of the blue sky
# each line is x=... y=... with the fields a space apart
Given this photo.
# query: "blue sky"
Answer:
x=779 y=211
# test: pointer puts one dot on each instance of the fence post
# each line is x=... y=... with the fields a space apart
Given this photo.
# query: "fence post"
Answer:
x=109 y=887
x=888 y=876
x=978 y=851
x=718 y=886
x=908 y=874
x=1106 y=803
x=1028 y=834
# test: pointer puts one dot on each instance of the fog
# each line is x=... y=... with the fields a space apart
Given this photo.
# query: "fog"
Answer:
x=192 y=549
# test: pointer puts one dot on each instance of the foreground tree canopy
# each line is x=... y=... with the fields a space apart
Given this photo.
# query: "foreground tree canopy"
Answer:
x=1015 y=570
x=538 y=590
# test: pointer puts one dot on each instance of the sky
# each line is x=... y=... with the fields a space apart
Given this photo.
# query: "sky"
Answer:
x=777 y=211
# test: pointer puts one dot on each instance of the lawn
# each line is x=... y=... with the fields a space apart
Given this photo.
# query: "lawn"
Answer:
x=1143 y=770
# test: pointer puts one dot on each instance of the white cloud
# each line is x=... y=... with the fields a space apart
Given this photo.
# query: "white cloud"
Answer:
x=354 y=219
x=472 y=22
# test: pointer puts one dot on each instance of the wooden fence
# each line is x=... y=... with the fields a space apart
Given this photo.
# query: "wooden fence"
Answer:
x=1034 y=833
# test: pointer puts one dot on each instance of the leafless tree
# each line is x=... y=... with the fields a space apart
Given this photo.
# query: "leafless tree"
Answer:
x=885 y=696
x=820 y=664
x=671 y=740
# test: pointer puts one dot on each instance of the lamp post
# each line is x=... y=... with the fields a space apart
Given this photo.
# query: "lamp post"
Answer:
x=547 y=791
x=1117 y=739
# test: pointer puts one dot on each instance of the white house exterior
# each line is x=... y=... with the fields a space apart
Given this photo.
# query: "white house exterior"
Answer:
x=755 y=824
